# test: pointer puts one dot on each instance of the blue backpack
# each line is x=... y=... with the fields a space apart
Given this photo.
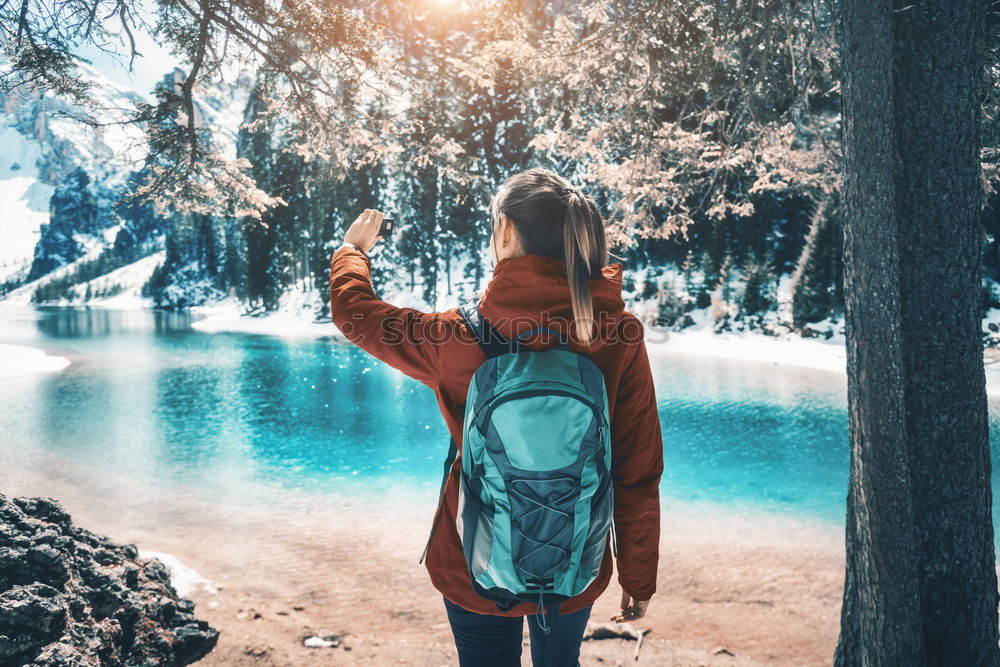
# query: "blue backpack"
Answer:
x=535 y=503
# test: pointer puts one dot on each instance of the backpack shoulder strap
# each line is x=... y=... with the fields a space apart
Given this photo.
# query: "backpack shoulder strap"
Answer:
x=491 y=342
x=449 y=461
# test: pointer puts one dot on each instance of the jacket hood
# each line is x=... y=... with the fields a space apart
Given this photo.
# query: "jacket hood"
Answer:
x=532 y=291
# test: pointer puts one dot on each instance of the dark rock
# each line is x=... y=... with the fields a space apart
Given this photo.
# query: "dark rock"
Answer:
x=190 y=639
x=105 y=556
x=63 y=655
x=44 y=509
x=165 y=609
x=69 y=597
x=48 y=563
x=30 y=616
x=131 y=574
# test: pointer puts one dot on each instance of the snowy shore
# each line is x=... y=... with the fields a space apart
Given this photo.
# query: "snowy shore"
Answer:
x=18 y=360
x=822 y=354
x=293 y=319
x=826 y=355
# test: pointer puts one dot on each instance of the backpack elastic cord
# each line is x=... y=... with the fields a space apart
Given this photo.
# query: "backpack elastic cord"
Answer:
x=540 y=613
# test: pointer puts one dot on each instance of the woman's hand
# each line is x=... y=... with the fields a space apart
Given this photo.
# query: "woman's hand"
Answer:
x=363 y=232
x=632 y=609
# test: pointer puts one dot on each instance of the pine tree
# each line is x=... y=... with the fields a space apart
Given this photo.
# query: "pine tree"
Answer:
x=141 y=227
x=688 y=268
x=253 y=143
x=758 y=291
x=816 y=283
x=726 y=270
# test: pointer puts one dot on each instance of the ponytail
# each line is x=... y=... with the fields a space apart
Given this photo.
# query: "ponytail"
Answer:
x=585 y=250
x=555 y=220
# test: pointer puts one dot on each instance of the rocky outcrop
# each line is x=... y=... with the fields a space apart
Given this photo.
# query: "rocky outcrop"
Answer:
x=70 y=597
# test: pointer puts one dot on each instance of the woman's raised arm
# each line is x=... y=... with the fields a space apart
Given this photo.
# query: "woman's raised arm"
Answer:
x=405 y=338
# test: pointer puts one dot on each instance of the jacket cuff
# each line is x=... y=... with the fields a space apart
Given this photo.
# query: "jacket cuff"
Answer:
x=345 y=244
x=351 y=250
x=642 y=594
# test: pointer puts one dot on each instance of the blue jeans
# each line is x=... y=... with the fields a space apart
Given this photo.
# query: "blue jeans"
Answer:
x=485 y=640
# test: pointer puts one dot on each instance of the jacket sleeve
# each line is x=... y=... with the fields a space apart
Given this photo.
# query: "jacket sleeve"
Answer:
x=407 y=339
x=636 y=467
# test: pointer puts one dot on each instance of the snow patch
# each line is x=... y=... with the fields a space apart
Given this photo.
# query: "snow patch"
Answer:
x=227 y=316
x=790 y=349
x=827 y=355
x=294 y=317
x=16 y=360
x=129 y=278
x=22 y=295
x=826 y=352
x=321 y=639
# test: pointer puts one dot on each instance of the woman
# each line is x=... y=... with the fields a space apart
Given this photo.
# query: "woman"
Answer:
x=549 y=251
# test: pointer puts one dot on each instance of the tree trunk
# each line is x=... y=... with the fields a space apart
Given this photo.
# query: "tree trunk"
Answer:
x=920 y=586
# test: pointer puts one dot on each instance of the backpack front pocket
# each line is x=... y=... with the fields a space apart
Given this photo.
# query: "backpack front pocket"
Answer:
x=542 y=527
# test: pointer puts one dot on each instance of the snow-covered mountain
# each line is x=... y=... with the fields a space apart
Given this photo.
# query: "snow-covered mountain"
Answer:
x=61 y=180
x=43 y=147
x=24 y=200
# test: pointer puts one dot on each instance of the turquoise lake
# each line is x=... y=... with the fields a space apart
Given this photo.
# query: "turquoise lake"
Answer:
x=240 y=417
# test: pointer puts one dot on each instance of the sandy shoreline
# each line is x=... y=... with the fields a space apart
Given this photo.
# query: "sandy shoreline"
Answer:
x=764 y=588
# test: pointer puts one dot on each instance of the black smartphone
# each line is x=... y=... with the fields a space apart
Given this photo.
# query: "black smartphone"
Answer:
x=388 y=224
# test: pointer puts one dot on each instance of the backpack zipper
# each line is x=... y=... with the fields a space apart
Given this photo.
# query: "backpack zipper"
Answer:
x=526 y=393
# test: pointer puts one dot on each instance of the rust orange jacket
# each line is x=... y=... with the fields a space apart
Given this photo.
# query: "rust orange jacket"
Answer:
x=435 y=348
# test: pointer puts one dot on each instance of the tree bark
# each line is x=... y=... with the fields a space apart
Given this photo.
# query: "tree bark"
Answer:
x=920 y=585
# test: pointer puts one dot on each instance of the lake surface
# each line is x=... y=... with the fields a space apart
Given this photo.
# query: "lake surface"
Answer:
x=241 y=418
